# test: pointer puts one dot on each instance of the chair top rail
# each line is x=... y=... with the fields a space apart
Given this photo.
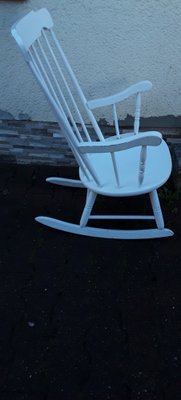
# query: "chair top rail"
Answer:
x=139 y=87
x=38 y=20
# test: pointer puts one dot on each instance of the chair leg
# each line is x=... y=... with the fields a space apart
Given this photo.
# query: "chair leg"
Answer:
x=90 y=200
x=155 y=202
x=81 y=229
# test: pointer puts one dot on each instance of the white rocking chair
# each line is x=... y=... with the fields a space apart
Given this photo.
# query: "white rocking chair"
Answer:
x=128 y=164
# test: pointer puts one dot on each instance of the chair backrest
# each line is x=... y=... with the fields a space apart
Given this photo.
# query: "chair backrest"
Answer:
x=44 y=54
x=39 y=45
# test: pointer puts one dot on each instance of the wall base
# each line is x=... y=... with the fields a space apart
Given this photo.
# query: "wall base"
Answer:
x=42 y=143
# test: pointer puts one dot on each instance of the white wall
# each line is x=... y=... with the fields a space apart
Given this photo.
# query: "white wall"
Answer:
x=110 y=45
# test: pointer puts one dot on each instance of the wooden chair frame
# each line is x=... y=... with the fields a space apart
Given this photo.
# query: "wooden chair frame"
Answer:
x=128 y=164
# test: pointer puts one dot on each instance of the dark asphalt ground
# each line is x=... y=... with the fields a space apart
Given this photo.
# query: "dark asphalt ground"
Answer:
x=85 y=318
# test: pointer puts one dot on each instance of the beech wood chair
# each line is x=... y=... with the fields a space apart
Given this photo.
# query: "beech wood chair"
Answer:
x=123 y=165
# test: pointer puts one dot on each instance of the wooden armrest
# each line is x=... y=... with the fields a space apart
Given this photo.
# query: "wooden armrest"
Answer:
x=139 y=87
x=143 y=139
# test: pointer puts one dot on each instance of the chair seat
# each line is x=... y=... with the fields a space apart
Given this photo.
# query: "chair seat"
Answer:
x=157 y=171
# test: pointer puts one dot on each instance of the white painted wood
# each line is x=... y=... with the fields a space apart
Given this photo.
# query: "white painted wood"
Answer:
x=125 y=165
x=90 y=200
x=57 y=86
x=24 y=36
x=91 y=169
x=139 y=87
x=42 y=71
x=142 y=164
x=137 y=114
x=65 y=182
x=116 y=121
x=79 y=90
x=157 y=209
x=103 y=233
x=157 y=171
x=69 y=93
x=116 y=172
x=121 y=217
x=65 y=126
x=145 y=139
x=87 y=194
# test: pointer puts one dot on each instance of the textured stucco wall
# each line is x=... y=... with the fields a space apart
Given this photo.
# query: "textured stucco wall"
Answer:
x=110 y=45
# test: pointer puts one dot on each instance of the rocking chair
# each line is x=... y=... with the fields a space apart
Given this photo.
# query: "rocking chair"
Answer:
x=122 y=165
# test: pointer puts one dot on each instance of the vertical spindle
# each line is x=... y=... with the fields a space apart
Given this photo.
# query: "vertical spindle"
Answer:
x=142 y=164
x=116 y=121
x=137 y=114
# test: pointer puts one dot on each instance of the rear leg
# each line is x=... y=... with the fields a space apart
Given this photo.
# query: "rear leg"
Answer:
x=155 y=202
x=90 y=200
